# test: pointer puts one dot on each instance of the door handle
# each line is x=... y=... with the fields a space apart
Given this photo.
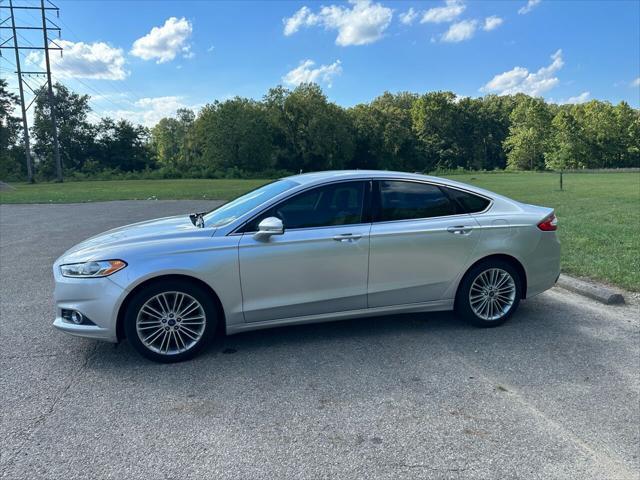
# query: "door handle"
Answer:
x=459 y=230
x=347 y=237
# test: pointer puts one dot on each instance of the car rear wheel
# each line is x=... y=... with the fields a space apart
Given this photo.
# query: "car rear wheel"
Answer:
x=489 y=293
x=170 y=321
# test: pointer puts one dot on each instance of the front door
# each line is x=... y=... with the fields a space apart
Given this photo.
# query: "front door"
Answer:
x=319 y=264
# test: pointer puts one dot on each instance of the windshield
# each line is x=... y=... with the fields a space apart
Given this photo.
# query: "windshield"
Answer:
x=228 y=212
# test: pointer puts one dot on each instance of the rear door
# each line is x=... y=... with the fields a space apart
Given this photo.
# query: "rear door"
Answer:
x=319 y=265
x=419 y=243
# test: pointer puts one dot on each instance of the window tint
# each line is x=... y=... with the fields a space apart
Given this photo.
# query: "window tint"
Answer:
x=337 y=204
x=405 y=200
x=469 y=202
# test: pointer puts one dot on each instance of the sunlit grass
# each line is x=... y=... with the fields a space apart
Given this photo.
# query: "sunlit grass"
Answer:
x=98 y=191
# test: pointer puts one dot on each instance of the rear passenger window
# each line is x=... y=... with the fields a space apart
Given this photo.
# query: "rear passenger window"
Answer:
x=401 y=200
x=469 y=202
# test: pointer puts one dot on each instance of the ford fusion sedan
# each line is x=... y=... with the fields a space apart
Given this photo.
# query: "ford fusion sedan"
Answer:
x=308 y=248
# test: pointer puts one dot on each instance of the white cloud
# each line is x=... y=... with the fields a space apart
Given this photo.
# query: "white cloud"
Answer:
x=452 y=10
x=302 y=18
x=149 y=111
x=460 y=31
x=84 y=60
x=305 y=72
x=531 y=4
x=409 y=16
x=582 y=98
x=520 y=80
x=636 y=82
x=363 y=23
x=492 y=22
x=164 y=43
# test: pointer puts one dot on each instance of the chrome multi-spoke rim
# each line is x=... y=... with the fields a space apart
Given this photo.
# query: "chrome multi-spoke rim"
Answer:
x=492 y=294
x=170 y=323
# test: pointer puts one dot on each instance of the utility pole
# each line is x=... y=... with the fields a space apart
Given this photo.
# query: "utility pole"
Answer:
x=52 y=106
x=25 y=127
x=21 y=74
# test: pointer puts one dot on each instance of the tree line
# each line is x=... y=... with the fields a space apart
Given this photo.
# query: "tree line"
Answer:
x=301 y=130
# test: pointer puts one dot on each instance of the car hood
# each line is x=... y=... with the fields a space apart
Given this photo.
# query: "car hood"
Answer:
x=137 y=234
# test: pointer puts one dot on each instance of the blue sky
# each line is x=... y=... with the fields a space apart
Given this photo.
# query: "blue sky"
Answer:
x=143 y=59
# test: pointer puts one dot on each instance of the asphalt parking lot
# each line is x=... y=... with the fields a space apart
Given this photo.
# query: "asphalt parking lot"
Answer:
x=554 y=393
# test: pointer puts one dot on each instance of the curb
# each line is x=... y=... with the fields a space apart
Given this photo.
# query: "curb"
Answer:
x=596 y=292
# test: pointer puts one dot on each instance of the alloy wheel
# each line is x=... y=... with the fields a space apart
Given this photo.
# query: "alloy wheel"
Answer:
x=492 y=294
x=170 y=323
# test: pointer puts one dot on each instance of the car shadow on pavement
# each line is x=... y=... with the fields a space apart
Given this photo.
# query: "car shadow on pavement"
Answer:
x=364 y=333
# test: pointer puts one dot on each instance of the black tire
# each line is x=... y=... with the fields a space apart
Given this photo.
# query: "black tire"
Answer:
x=463 y=306
x=193 y=290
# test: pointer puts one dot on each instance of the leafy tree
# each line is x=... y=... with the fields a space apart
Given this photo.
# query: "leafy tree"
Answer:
x=436 y=122
x=76 y=135
x=11 y=166
x=369 y=146
x=567 y=148
x=307 y=131
x=186 y=135
x=487 y=118
x=165 y=141
x=384 y=133
x=628 y=121
x=234 y=134
x=122 y=146
x=528 y=134
x=301 y=129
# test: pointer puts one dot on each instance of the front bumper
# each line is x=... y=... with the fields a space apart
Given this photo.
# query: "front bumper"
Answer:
x=88 y=331
x=98 y=299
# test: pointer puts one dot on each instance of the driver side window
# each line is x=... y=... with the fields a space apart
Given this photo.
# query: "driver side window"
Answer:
x=336 y=204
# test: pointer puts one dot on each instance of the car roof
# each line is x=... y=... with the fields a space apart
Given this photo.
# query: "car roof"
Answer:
x=311 y=178
x=320 y=177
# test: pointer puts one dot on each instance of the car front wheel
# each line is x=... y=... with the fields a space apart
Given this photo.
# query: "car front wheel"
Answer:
x=489 y=293
x=170 y=321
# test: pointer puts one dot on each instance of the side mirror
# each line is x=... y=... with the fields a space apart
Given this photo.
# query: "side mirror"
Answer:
x=269 y=226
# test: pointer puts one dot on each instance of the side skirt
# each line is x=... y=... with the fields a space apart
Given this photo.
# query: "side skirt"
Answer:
x=435 y=306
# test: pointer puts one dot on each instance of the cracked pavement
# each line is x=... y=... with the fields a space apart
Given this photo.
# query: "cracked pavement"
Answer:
x=554 y=393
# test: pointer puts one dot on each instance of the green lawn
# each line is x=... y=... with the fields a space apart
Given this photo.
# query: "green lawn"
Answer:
x=98 y=191
x=599 y=213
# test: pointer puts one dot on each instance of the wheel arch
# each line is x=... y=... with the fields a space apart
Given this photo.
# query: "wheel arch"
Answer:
x=120 y=333
x=505 y=258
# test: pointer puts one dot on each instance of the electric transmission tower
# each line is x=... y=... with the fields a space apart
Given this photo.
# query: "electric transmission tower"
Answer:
x=11 y=23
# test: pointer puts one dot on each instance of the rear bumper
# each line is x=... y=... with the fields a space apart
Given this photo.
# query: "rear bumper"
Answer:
x=543 y=264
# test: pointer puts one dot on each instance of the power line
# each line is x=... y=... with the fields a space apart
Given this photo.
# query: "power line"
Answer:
x=125 y=98
x=129 y=92
x=102 y=97
x=16 y=36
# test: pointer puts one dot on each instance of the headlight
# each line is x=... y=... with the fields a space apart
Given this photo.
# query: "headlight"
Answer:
x=102 y=268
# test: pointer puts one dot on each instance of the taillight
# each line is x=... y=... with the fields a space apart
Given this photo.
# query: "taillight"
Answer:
x=549 y=224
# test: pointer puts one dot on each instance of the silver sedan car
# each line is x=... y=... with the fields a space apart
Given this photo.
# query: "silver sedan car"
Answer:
x=308 y=248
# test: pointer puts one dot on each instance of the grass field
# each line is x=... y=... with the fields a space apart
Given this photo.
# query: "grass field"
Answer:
x=99 y=191
x=599 y=213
